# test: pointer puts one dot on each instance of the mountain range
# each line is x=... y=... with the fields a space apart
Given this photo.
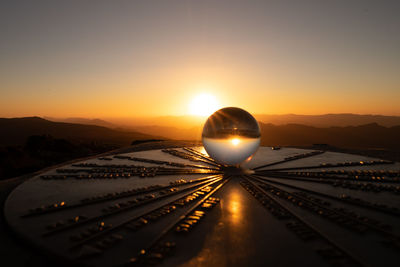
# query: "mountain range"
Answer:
x=371 y=135
x=330 y=120
x=188 y=121
x=15 y=131
x=368 y=136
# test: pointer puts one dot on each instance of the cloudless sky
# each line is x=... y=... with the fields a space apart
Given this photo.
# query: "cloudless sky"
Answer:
x=144 y=58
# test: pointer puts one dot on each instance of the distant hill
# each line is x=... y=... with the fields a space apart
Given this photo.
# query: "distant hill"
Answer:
x=189 y=122
x=193 y=133
x=16 y=130
x=325 y=120
x=371 y=135
x=97 y=122
x=364 y=136
x=329 y=120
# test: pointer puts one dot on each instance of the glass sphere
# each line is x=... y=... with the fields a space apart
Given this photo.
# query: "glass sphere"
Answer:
x=231 y=136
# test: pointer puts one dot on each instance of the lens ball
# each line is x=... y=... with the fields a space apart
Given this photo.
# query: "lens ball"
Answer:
x=231 y=136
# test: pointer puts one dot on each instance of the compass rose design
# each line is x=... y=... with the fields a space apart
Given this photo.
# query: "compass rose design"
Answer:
x=179 y=206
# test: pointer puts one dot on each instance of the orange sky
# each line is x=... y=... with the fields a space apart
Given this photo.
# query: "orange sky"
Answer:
x=151 y=59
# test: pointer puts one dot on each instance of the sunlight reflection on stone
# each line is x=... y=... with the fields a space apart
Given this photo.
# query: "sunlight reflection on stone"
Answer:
x=235 y=207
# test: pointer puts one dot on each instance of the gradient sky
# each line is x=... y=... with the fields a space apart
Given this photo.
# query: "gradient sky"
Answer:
x=135 y=58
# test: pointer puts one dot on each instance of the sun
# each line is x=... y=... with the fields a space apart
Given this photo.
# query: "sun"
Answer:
x=235 y=141
x=203 y=105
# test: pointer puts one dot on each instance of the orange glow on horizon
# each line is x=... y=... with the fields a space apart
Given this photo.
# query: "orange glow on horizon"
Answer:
x=153 y=59
x=173 y=96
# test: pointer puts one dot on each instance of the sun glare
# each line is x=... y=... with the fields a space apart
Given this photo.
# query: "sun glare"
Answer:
x=203 y=105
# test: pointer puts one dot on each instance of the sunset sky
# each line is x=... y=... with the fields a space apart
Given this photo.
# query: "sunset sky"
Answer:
x=151 y=58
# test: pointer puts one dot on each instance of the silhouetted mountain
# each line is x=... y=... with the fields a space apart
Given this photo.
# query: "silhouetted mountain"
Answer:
x=188 y=122
x=171 y=132
x=373 y=135
x=370 y=135
x=97 y=122
x=329 y=120
x=365 y=136
x=16 y=130
x=326 y=120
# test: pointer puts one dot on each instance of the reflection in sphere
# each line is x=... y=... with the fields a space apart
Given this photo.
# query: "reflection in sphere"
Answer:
x=231 y=136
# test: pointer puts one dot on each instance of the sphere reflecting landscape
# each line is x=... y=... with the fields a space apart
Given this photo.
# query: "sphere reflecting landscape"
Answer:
x=231 y=136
